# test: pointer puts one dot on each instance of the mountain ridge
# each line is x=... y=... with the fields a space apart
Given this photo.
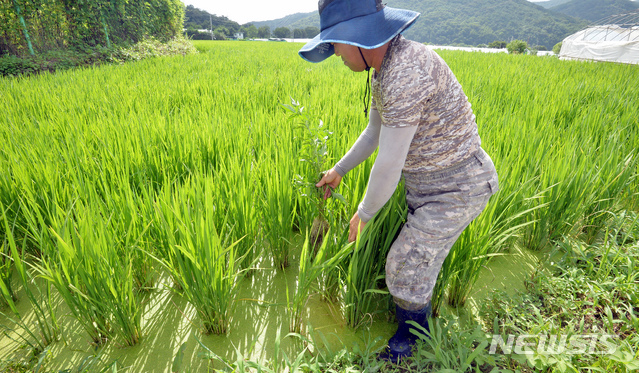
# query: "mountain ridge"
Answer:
x=467 y=22
x=595 y=10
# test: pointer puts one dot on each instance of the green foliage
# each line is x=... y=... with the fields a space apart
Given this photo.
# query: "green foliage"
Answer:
x=590 y=289
x=474 y=22
x=194 y=34
x=311 y=31
x=297 y=20
x=450 y=348
x=61 y=24
x=517 y=47
x=13 y=65
x=203 y=20
x=250 y=31
x=221 y=33
x=497 y=44
x=551 y=3
x=264 y=32
x=312 y=136
x=282 y=32
x=307 y=32
x=64 y=59
x=557 y=48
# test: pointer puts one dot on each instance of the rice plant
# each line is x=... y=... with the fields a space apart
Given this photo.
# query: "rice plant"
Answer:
x=44 y=314
x=238 y=178
x=82 y=260
x=498 y=226
x=310 y=270
x=202 y=258
x=6 y=271
x=278 y=209
x=366 y=267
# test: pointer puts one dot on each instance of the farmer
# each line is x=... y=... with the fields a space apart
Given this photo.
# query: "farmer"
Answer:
x=425 y=129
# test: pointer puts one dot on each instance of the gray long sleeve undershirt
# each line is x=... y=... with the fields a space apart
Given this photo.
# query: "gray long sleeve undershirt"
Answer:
x=394 y=143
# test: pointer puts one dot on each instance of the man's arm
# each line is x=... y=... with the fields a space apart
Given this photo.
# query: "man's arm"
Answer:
x=387 y=170
x=365 y=145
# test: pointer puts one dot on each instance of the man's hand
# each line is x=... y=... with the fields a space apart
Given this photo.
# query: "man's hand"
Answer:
x=330 y=179
x=356 y=226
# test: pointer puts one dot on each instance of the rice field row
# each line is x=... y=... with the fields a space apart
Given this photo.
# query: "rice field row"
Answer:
x=115 y=179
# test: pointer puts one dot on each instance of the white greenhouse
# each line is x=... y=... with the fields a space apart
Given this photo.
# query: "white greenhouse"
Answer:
x=614 y=39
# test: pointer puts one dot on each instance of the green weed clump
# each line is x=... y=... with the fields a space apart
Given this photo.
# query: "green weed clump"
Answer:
x=591 y=290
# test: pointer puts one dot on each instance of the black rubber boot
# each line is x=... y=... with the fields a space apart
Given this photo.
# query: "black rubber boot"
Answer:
x=401 y=344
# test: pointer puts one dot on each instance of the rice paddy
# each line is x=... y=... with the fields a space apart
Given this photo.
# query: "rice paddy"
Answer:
x=175 y=190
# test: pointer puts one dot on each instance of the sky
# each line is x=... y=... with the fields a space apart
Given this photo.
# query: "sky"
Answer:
x=244 y=11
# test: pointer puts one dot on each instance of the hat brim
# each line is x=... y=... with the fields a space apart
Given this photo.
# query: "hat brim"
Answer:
x=368 y=32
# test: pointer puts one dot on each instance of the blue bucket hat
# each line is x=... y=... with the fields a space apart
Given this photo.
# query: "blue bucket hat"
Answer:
x=366 y=24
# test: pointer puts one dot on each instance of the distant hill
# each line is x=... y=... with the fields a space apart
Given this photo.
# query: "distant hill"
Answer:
x=483 y=21
x=551 y=3
x=594 y=10
x=288 y=21
x=473 y=22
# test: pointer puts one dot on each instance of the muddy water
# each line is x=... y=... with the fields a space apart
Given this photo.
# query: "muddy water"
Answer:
x=259 y=318
x=505 y=272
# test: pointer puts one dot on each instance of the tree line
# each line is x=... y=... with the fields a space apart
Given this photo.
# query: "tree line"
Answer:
x=223 y=28
x=32 y=26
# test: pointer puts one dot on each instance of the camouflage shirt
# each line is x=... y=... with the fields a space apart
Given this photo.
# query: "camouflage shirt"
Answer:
x=415 y=87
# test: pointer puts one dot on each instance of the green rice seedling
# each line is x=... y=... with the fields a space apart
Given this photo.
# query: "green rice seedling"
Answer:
x=310 y=270
x=59 y=266
x=616 y=176
x=278 y=208
x=95 y=279
x=238 y=179
x=163 y=231
x=500 y=224
x=204 y=261
x=6 y=270
x=331 y=280
x=366 y=267
x=44 y=315
x=124 y=205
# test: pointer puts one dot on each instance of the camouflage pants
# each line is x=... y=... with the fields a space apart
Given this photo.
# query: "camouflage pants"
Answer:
x=441 y=204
